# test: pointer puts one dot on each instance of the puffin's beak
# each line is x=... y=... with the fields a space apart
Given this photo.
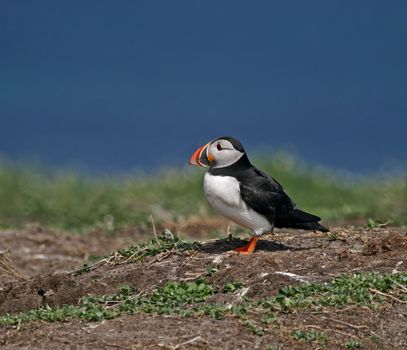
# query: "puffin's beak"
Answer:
x=201 y=157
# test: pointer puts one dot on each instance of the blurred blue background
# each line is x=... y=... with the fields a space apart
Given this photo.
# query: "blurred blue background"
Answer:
x=122 y=85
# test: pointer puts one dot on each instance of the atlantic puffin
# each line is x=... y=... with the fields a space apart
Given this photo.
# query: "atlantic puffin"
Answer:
x=246 y=195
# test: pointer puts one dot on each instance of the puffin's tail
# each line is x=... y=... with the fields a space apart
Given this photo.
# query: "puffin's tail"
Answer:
x=303 y=220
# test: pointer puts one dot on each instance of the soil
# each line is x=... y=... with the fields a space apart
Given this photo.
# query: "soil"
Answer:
x=42 y=262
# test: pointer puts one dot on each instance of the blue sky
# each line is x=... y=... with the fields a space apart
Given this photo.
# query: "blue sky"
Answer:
x=118 y=85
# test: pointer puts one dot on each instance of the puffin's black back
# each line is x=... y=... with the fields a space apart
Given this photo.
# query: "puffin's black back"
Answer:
x=265 y=195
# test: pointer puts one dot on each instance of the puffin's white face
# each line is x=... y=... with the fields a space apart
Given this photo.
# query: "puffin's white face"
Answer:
x=218 y=153
x=224 y=153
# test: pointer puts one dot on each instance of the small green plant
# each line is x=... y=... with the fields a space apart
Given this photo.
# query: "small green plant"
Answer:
x=163 y=243
x=341 y=291
x=252 y=327
x=333 y=236
x=173 y=298
x=232 y=287
x=178 y=293
x=215 y=311
x=211 y=270
x=374 y=338
x=269 y=318
x=353 y=344
x=241 y=309
x=167 y=242
x=187 y=299
x=371 y=223
x=310 y=336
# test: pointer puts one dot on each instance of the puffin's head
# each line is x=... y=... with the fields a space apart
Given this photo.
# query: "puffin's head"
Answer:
x=219 y=153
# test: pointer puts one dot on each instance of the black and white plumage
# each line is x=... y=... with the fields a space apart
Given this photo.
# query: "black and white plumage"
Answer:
x=245 y=194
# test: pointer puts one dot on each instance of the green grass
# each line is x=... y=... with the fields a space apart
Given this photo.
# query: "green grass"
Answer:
x=341 y=291
x=232 y=287
x=172 y=299
x=253 y=327
x=353 y=344
x=165 y=242
x=70 y=201
x=188 y=299
x=310 y=336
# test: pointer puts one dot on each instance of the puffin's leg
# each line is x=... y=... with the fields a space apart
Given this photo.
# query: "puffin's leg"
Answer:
x=273 y=224
x=228 y=232
x=250 y=247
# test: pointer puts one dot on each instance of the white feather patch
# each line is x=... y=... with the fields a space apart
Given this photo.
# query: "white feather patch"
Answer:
x=223 y=194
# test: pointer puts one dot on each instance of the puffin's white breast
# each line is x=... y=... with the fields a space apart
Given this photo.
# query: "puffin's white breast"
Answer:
x=223 y=194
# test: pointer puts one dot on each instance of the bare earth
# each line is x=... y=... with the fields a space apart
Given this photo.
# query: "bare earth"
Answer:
x=43 y=257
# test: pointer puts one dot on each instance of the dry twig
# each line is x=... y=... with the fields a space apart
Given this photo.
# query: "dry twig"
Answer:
x=91 y=266
x=187 y=342
x=332 y=330
x=387 y=295
x=6 y=265
x=404 y=289
x=358 y=328
x=154 y=230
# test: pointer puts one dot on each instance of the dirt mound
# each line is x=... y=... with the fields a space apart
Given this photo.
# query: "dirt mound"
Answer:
x=286 y=258
x=39 y=291
x=37 y=250
x=310 y=257
x=386 y=242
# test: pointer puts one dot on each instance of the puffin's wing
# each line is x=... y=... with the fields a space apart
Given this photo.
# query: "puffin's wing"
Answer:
x=265 y=195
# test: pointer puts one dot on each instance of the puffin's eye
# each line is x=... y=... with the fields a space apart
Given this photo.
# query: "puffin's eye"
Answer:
x=219 y=147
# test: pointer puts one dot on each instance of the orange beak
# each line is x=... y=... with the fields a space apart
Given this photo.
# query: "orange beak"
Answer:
x=201 y=157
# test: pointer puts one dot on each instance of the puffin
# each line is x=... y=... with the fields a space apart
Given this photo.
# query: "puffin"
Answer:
x=246 y=195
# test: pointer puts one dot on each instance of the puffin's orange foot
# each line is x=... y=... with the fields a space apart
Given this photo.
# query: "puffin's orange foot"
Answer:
x=249 y=248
